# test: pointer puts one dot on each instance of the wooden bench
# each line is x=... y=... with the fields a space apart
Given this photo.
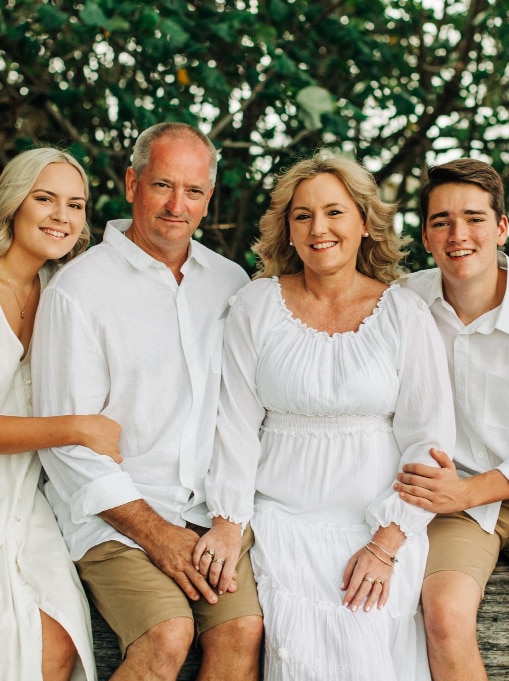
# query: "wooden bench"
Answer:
x=493 y=622
x=493 y=632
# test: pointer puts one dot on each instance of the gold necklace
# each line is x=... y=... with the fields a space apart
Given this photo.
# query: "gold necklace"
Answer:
x=24 y=307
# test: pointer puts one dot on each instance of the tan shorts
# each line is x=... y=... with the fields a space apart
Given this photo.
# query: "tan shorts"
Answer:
x=133 y=595
x=457 y=542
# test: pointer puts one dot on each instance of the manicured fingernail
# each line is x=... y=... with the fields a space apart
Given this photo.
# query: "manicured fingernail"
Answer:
x=354 y=608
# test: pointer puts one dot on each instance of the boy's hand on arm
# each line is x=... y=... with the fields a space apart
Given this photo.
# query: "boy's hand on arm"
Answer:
x=441 y=490
x=437 y=490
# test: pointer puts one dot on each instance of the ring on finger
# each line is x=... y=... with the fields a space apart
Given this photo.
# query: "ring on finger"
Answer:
x=218 y=560
x=371 y=580
x=208 y=553
x=379 y=581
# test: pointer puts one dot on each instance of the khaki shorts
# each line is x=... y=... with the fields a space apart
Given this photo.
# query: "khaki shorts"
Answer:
x=133 y=595
x=457 y=542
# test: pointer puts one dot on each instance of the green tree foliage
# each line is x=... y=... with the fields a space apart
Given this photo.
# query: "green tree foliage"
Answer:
x=396 y=84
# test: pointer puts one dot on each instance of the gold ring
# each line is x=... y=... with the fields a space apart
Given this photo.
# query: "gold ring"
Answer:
x=371 y=580
x=218 y=560
x=208 y=553
x=379 y=581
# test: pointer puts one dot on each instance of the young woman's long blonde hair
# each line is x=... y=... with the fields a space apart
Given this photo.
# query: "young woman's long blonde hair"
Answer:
x=16 y=181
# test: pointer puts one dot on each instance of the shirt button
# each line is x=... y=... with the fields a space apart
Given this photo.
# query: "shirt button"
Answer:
x=28 y=382
x=282 y=653
x=481 y=455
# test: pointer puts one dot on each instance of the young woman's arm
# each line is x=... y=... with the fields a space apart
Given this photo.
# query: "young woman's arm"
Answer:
x=24 y=433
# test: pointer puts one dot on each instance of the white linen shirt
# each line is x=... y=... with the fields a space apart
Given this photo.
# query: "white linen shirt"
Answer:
x=116 y=335
x=478 y=357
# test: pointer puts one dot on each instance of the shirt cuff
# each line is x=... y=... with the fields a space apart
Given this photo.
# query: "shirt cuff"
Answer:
x=100 y=495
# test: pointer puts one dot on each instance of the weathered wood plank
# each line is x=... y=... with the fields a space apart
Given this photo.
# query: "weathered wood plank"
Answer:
x=493 y=623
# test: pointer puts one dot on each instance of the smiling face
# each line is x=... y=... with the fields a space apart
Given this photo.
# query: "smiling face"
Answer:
x=462 y=232
x=170 y=197
x=326 y=226
x=50 y=219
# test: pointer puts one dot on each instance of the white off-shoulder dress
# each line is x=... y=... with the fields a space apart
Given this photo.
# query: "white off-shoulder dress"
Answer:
x=312 y=430
x=36 y=572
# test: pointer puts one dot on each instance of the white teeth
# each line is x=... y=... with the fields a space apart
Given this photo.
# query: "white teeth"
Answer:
x=53 y=232
x=458 y=254
x=326 y=244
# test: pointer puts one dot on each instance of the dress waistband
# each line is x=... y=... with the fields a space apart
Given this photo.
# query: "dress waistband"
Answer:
x=294 y=424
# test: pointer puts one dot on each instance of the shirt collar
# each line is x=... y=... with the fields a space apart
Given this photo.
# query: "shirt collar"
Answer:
x=114 y=234
x=502 y=321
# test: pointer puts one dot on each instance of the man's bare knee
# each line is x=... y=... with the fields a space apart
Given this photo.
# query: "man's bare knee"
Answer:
x=232 y=650
x=450 y=602
x=241 y=632
x=162 y=650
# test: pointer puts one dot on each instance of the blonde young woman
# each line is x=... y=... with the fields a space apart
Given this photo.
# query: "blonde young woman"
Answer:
x=44 y=622
x=332 y=379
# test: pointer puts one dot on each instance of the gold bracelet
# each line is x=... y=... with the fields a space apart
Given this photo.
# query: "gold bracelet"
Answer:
x=393 y=559
x=374 y=554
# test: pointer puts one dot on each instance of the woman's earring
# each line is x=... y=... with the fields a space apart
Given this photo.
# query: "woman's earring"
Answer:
x=365 y=234
x=291 y=242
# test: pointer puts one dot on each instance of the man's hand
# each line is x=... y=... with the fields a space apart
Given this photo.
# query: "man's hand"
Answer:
x=438 y=490
x=169 y=547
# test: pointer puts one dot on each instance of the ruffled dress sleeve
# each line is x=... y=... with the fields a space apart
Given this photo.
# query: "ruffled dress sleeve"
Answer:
x=424 y=410
x=230 y=483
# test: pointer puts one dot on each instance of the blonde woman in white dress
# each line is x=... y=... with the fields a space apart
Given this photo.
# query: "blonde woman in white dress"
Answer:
x=44 y=623
x=333 y=377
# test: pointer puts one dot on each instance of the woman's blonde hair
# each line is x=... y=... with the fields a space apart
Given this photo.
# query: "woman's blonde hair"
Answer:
x=379 y=254
x=16 y=181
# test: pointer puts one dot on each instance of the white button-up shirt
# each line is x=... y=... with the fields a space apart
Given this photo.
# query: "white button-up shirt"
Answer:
x=478 y=356
x=116 y=335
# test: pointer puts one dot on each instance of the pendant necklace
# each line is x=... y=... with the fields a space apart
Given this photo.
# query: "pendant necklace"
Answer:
x=24 y=307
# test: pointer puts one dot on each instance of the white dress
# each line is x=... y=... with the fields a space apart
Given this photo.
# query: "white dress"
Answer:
x=36 y=572
x=312 y=430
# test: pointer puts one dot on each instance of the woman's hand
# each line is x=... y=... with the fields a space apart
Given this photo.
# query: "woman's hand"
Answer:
x=217 y=553
x=99 y=433
x=368 y=572
x=367 y=579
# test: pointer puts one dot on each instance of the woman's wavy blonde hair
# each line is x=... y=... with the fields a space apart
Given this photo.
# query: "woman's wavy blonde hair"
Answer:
x=379 y=255
x=16 y=181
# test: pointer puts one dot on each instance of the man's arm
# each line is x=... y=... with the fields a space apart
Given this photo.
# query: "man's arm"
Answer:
x=168 y=546
x=441 y=490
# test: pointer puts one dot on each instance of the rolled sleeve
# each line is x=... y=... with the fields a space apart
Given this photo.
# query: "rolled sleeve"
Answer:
x=101 y=495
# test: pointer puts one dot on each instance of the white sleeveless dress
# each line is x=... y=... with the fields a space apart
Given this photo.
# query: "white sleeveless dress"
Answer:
x=36 y=572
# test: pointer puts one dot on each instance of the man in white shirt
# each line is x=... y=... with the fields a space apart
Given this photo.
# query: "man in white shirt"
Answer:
x=462 y=204
x=134 y=330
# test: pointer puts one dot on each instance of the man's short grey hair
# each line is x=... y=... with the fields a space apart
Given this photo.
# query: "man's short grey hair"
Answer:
x=143 y=145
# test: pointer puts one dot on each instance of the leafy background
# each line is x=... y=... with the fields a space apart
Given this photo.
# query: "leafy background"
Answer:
x=400 y=84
